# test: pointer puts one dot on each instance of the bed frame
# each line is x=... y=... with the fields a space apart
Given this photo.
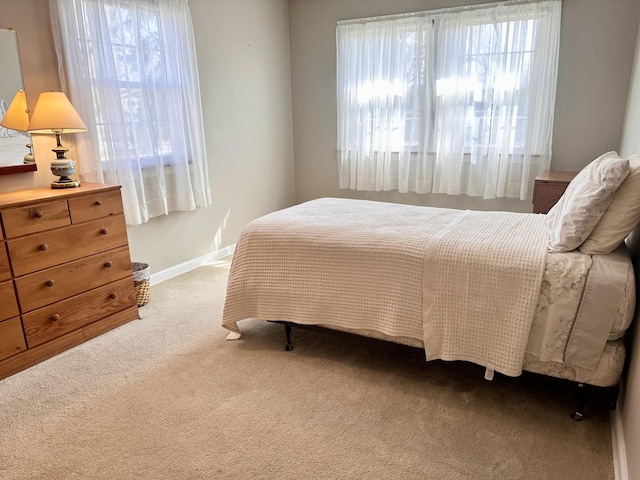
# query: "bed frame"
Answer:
x=582 y=390
x=362 y=266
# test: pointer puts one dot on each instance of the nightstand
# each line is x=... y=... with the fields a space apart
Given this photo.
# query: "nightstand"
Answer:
x=548 y=188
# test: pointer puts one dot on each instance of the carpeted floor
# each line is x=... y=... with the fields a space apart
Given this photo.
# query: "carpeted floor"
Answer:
x=166 y=397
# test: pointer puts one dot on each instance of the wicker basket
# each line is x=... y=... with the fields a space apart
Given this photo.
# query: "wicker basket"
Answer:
x=141 y=274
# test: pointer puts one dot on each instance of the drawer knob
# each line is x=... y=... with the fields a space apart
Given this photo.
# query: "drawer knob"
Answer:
x=55 y=317
x=36 y=213
x=113 y=295
x=49 y=283
x=104 y=231
x=98 y=203
x=42 y=247
x=108 y=264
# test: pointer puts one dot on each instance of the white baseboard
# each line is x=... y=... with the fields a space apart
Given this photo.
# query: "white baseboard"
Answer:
x=185 y=267
x=618 y=447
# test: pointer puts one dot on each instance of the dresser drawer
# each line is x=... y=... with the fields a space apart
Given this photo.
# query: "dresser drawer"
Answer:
x=65 y=267
x=548 y=187
x=11 y=338
x=42 y=250
x=8 y=303
x=5 y=269
x=53 y=284
x=96 y=205
x=35 y=218
x=54 y=320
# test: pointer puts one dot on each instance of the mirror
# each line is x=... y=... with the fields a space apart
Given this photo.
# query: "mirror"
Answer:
x=13 y=144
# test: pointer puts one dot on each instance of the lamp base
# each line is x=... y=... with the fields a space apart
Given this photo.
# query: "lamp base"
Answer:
x=65 y=183
x=63 y=167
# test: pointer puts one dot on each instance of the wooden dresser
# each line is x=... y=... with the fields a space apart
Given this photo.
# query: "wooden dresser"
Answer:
x=548 y=187
x=65 y=271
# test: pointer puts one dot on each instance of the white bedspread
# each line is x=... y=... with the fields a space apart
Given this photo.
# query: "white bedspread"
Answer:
x=362 y=265
x=482 y=279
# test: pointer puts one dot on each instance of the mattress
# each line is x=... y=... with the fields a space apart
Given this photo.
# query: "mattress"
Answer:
x=610 y=304
x=606 y=373
x=559 y=301
x=364 y=264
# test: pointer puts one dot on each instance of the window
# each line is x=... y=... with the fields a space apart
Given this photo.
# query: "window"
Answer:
x=493 y=72
x=449 y=101
x=130 y=70
x=389 y=78
x=140 y=77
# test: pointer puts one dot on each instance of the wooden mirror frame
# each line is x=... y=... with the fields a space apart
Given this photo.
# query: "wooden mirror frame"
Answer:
x=24 y=168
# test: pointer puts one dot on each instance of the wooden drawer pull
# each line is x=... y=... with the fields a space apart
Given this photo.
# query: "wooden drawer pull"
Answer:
x=43 y=247
x=49 y=283
x=55 y=317
x=98 y=203
x=104 y=231
x=113 y=295
x=35 y=213
x=108 y=264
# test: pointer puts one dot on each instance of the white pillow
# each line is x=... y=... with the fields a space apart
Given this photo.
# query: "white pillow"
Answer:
x=622 y=216
x=573 y=218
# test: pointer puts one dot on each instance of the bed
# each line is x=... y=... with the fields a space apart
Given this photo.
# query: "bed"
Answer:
x=484 y=287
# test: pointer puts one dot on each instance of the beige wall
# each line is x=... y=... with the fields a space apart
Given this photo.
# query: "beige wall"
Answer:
x=630 y=398
x=243 y=56
x=596 y=52
x=11 y=79
x=30 y=19
x=243 y=61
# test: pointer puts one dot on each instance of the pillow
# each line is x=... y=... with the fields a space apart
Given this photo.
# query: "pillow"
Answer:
x=573 y=218
x=622 y=216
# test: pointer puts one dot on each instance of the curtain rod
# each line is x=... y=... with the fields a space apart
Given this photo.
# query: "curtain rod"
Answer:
x=461 y=8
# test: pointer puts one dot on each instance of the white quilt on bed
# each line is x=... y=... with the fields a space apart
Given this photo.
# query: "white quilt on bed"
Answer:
x=482 y=279
x=353 y=264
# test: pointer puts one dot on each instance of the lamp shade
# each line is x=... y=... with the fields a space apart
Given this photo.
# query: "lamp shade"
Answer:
x=54 y=112
x=17 y=115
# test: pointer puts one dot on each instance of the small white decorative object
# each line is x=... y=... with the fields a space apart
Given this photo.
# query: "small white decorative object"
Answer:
x=29 y=158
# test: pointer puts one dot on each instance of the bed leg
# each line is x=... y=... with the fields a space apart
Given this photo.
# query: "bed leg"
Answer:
x=578 y=415
x=615 y=391
x=287 y=331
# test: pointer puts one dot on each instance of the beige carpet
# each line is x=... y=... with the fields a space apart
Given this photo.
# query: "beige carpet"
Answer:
x=166 y=397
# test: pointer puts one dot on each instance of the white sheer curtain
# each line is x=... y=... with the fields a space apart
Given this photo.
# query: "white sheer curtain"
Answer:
x=384 y=92
x=129 y=67
x=456 y=101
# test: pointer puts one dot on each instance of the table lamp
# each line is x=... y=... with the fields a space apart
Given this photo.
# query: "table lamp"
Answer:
x=17 y=118
x=54 y=113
